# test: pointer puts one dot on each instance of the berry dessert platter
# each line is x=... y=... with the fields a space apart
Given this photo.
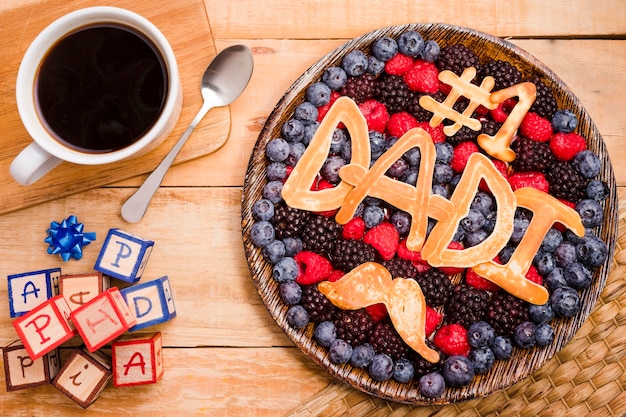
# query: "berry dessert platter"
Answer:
x=429 y=213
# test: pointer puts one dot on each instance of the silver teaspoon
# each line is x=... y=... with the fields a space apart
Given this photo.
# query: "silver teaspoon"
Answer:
x=223 y=81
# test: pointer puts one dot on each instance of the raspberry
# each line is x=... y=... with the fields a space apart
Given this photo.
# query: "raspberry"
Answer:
x=534 y=276
x=536 y=127
x=474 y=280
x=502 y=169
x=377 y=312
x=384 y=238
x=400 y=123
x=336 y=275
x=462 y=152
x=423 y=77
x=566 y=145
x=354 y=229
x=500 y=114
x=529 y=179
x=451 y=270
x=436 y=133
x=451 y=339
x=399 y=64
x=375 y=114
x=405 y=253
x=322 y=110
x=313 y=268
x=433 y=318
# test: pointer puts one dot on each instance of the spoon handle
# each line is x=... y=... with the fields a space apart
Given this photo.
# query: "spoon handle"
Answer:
x=135 y=207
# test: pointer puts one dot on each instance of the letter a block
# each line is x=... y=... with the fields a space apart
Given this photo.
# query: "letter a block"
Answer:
x=23 y=372
x=151 y=302
x=30 y=289
x=137 y=359
x=123 y=256
x=79 y=289
x=103 y=319
x=84 y=376
x=45 y=327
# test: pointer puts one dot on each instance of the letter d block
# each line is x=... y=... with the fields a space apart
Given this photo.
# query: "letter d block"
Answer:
x=30 y=289
x=151 y=302
x=45 y=327
x=103 y=319
x=84 y=376
x=23 y=372
x=123 y=256
x=79 y=289
x=137 y=359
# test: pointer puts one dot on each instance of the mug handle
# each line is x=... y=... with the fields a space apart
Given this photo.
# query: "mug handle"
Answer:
x=32 y=163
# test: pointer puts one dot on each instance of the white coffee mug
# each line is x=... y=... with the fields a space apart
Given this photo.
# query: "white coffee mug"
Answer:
x=46 y=152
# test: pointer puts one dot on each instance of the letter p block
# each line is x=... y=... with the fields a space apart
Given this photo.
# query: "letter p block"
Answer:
x=151 y=302
x=124 y=256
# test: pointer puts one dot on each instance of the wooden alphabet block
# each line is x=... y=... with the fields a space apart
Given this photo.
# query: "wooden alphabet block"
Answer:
x=137 y=359
x=151 y=302
x=23 y=372
x=103 y=319
x=123 y=255
x=31 y=289
x=45 y=327
x=84 y=376
x=79 y=289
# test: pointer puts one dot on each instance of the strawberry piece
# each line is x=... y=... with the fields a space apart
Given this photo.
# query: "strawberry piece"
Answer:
x=533 y=275
x=312 y=268
x=377 y=312
x=423 y=77
x=536 y=127
x=529 y=179
x=436 y=133
x=462 y=152
x=433 y=318
x=336 y=275
x=399 y=64
x=451 y=270
x=500 y=113
x=384 y=238
x=409 y=255
x=474 y=280
x=566 y=145
x=376 y=115
x=451 y=339
x=400 y=123
x=354 y=229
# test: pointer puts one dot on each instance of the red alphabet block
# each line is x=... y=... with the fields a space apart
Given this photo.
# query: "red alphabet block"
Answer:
x=23 y=372
x=103 y=319
x=137 y=359
x=45 y=327
x=79 y=289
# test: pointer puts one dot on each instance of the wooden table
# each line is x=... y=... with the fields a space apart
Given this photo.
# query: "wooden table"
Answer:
x=224 y=354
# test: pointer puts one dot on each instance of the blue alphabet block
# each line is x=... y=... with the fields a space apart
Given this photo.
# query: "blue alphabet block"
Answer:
x=151 y=302
x=123 y=256
x=31 y=289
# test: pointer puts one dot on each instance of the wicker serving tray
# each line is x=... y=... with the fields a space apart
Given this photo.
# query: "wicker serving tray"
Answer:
x=504 y=373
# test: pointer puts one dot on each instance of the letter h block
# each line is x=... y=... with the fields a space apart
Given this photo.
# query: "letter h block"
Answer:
x=79 y=289
x=151 y=302
x=31 y=289
x=23 y=372
x=137 y=359
x=123 y=255
x=103 y=319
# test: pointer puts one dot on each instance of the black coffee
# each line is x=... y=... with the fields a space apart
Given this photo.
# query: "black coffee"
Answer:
x=101 y=88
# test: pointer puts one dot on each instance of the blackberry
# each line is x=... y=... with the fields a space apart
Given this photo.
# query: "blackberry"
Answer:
x=468 y=305
x=504 y=74
x=423 y=367
x=354 y=326
x=360 y=88
x=385 y=339
x=565 y=182
x=456 y=58
x=490 y=127
x=465 y=134
x=506 y=312
x=532 y=155
x=392 y=91
x=348 y=254
x=400 y=268
x=545 y=103
x=319 y=307
x=421 y=114
x=436 y=286
x=288 y=221
x=320 y=234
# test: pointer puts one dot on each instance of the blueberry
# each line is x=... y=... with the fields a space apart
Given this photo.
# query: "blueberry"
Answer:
x=544 y=334
x=540 y=313
x=346 y=150
x=524 y=335
x=475 y=238
x=444 y=151
x=290 y=292
x=325 y=333
x=592 y=251
x=551 y=240
x=293 y=246
x=520 y=225
x=385 y=48
x=335 y=77
x=442 y=174
x=564 y=121
x=354 y=63
x=337 y=140
x=374 y=65
x=377 y=143
x=272 y=191
x=482 y=359
x=318 y=94
x=330 y=169
x=597 y=190
x=373 y=216
x=381 y=368
x=432 y=385
x=277 y=150
x=577 y=276
x=362 y=355
x=506 y=253
x=410 y=175
x=276 y=171
x=411 y=43
x=473 y=222
x=480 y=334
x=459 y=235
x=483 y=202
x=431 y=51
x=591 y=212
x=297 y=316
x=545 y=263
x=565 y=254
x=309 y=132
x=403 y=371
x=490 y=221
x=442 y=190
x=285 y=270
x=340 y=351
x=555 y=279
x=306 y=113
x=458 y=371
x=502 y=347
x=587 y=163
x=401 y=220
x=296 y=150
x=262 y=233
x=263 y=210
x=572 y=237
x=413 y=157
x=565 y=302
x=274 y=252
x=292 y=130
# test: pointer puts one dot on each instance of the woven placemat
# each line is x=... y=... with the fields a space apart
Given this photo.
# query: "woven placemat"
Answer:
x=586 y=378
